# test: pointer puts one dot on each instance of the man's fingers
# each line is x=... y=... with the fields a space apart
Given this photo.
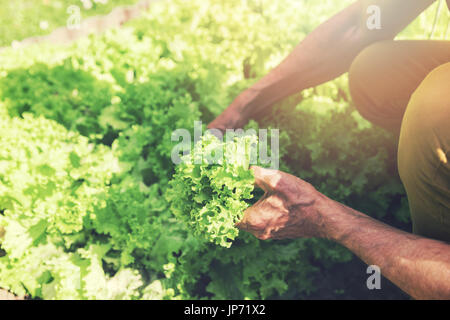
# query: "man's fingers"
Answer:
x=247 y=222
x=243 y=224
x=266 y=179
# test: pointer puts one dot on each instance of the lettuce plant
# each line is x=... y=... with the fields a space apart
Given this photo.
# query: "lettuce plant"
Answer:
x=211 y=185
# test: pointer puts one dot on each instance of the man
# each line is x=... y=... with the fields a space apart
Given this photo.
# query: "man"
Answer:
x=402 y=86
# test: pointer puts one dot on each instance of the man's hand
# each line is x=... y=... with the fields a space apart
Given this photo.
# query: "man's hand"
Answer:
x=229 y=119
x=290 y=207
x=236 y=115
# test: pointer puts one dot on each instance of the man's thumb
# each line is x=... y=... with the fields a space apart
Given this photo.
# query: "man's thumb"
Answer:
x=266 y=179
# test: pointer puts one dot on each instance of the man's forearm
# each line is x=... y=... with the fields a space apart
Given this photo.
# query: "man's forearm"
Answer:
x=419 y=266
x=327 y=52
x=323 y=55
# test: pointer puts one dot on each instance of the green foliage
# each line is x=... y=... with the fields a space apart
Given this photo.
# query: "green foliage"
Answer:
x=49 y=174
x=49 y=181
x=148 y=114
x=211 y=185
x=72 y=97
x=68 y=232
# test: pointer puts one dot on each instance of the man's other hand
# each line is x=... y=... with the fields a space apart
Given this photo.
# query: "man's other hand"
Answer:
x=236 y=115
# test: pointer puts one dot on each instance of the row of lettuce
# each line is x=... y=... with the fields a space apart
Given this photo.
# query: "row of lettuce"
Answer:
x=85 y=144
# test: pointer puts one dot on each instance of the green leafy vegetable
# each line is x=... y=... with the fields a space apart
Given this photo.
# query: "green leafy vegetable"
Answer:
x=211 y=185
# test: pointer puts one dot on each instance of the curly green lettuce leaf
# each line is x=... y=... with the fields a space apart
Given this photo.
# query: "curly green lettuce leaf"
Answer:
x=210 y=195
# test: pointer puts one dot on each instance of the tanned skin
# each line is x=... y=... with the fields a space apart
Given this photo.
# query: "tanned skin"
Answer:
x=292 y=208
